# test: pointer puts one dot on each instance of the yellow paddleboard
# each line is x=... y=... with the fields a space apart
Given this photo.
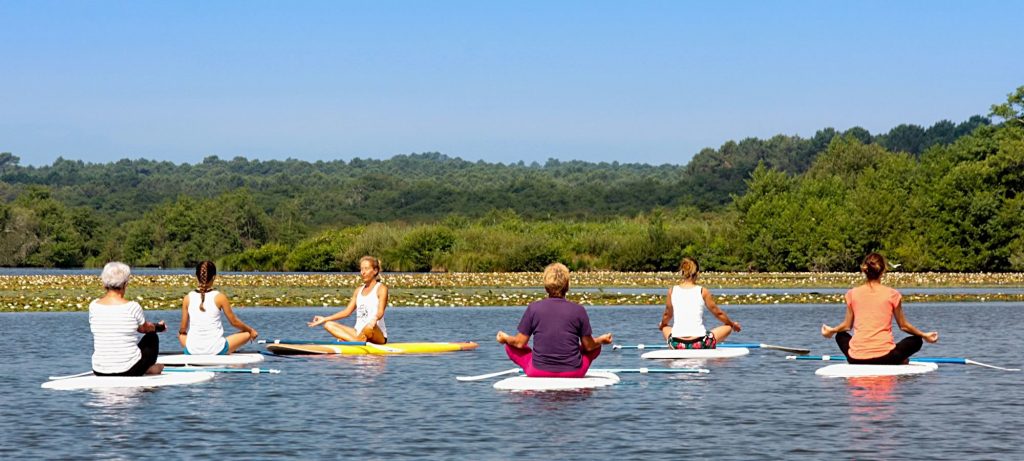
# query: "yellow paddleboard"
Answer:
x=383 y=349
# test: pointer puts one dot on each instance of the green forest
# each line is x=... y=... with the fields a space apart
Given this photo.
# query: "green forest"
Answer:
x=942 y=198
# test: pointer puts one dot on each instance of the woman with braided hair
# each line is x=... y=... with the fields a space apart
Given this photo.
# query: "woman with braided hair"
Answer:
x=368 y=302
x=201 y=331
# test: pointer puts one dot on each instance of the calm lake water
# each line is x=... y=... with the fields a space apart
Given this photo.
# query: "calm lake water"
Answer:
x=756 y=407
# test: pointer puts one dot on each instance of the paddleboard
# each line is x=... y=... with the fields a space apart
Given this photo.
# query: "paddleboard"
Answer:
x=718 y=353
x=524 y=383
x=383 y=349
x=231 y=359
x=846 y=370
x=113 y=382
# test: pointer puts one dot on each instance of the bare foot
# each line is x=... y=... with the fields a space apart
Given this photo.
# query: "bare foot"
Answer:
x=156 y=369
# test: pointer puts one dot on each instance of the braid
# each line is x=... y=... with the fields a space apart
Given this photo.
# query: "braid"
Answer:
x=205 y=272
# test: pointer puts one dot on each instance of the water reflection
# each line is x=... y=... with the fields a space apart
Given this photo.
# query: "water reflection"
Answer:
x=111 y=410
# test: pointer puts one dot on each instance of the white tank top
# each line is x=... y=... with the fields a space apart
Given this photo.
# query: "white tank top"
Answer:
x=205 y=332
x=366 y=309
x=687 y=312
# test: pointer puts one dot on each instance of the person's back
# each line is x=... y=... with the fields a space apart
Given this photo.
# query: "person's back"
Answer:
x=556 y=325
x=688 y=311
x=205 y=329
x=873 y=306
x=114 y=329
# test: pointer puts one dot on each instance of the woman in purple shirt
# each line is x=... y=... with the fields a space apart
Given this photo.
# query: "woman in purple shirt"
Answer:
x=563 y=343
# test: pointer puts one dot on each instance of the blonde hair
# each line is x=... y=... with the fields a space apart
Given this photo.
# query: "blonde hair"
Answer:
x=374 y=263
x=688 y=269
x=556 y=280
x=115 y=275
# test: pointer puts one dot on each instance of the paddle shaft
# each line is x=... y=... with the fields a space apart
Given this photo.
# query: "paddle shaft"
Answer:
x=606 y=370
x=795 y=350
x=307 y=341
x=221 y=370
x=956 y=360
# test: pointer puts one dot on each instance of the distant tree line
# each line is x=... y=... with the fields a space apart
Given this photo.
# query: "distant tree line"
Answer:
x=945 y=197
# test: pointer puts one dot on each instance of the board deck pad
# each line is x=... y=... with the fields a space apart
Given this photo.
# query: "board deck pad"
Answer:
x=230 y=359
x=524 y=383
x=384 y=349
x=718 y=353
x=847 y=370
x=114 y=382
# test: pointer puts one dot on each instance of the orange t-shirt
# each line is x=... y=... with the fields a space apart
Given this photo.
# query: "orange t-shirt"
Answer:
x=873 y=307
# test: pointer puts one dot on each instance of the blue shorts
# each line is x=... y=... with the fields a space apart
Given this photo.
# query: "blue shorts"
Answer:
x=222 y=351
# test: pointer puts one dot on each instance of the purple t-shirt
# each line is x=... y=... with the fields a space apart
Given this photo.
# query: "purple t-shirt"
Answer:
x=556 y=326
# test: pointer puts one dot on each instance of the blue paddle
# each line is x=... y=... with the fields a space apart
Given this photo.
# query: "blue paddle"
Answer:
x=795 y=350
x=956 y=360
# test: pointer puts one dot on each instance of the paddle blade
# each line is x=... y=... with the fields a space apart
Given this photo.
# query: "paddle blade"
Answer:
x=488 y=375
x=794 y=350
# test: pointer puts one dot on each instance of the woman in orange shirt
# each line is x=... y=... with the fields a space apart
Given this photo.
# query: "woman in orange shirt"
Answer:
x=870 y=310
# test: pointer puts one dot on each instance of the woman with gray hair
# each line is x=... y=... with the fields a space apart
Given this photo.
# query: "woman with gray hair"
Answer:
x=563 y=345
x=114 y=322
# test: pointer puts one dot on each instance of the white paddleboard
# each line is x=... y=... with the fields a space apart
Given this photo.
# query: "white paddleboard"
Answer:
x=112 y=382
x=846 y=370
x=230 y=359
x=718 y=353
x=524 y=383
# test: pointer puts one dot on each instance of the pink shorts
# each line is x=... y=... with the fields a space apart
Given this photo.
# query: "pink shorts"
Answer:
x=524 y=358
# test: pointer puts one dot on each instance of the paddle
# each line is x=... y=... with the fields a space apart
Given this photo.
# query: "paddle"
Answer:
x=510 y=371
x=311 y=341
x=645 y=371
x=222 y=370
x=380 y=347
x=76 y=375
x=957 y=360
x=513 y=371
x=795 y=350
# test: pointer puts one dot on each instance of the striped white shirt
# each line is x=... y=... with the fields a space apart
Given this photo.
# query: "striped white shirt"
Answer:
x=114 y=333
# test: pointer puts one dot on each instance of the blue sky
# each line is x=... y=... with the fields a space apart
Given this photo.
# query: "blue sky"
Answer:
x=644 y=81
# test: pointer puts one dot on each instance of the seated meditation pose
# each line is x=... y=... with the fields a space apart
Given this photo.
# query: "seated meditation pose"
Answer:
x=563 y=345
x=201 y=331
x=870 y=310
x=115 y=322
x=685 y=309
x=369 y=301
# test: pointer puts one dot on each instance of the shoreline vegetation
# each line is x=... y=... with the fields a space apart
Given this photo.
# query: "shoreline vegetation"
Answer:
x=53 y=293
x=947 y=198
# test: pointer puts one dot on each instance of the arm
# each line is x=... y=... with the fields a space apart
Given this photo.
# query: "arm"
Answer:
x=718 y=312
x=847 y=322
x=318 y=320
x=222 y=302
x=148 y=327
x=666 y=316
x=590 y=343
x=183 y=330
x=519 y=340
x=901 y=320
x=382 y=303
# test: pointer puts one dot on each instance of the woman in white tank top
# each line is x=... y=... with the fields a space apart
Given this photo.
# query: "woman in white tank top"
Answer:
x=201 y=330
x=686 y=304
x=369 y=301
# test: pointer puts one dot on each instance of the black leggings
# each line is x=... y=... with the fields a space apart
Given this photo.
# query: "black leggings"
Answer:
x=149 y=345
x=899 y=355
